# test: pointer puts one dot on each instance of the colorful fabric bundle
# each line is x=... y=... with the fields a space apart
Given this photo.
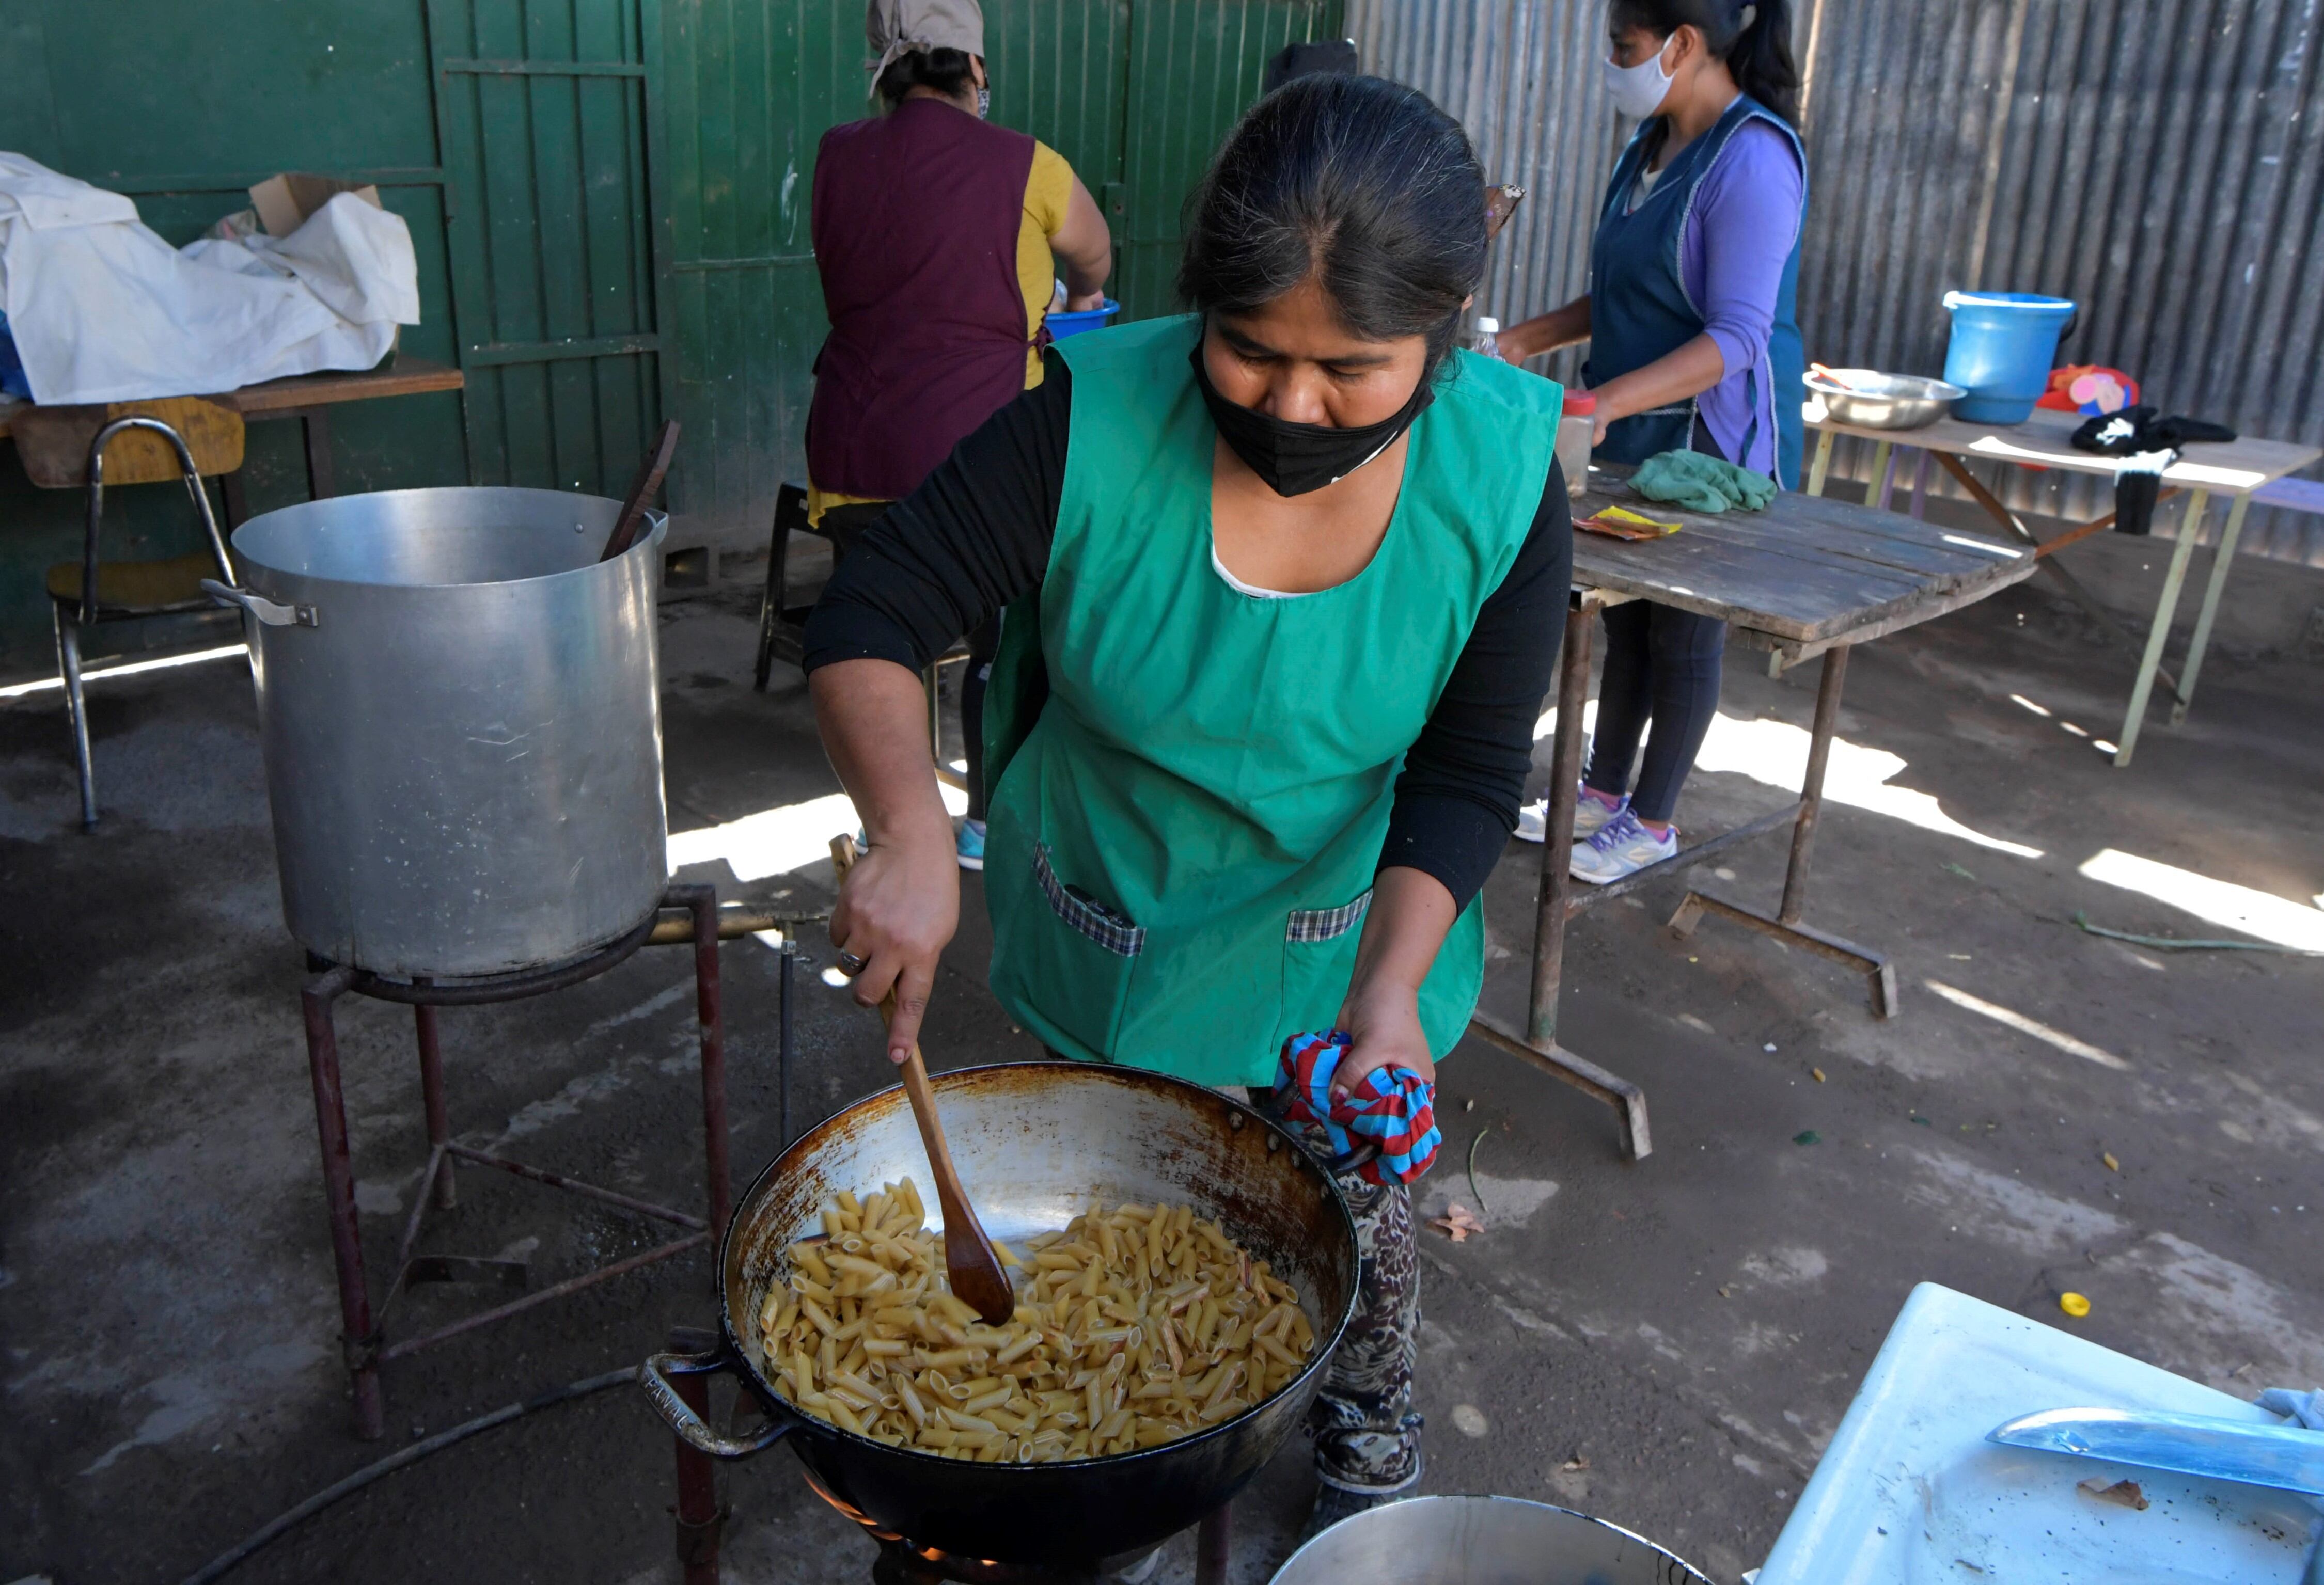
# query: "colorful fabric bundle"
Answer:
x=1393 y=1108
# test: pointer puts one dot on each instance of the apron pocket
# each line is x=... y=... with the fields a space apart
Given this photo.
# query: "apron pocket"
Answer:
x=1090 y=952
x=1319 y=954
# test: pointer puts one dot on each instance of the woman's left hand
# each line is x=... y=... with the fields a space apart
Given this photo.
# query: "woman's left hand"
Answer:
x=1384 y=1023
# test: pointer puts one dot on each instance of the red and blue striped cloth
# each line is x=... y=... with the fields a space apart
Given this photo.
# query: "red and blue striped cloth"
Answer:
x=1393 y=1107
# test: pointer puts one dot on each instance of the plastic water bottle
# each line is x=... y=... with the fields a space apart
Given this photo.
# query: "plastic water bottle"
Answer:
x=1488 y=342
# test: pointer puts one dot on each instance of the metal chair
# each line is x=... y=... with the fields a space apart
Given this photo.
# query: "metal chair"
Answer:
x=782 y=628
x=91 y=591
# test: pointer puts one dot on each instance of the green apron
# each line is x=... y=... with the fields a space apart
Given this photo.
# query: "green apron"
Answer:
x=1188 y=787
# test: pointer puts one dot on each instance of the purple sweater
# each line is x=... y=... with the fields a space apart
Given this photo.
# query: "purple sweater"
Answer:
x=1731 y=258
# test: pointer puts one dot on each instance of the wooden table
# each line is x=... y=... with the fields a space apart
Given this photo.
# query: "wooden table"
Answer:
x=1806 y=577
x=2234 y=470
x=309 y=398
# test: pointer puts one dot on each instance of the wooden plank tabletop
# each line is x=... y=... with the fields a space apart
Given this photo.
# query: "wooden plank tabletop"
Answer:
x=2043 y=440
x=1809 y=569
x=409 y=377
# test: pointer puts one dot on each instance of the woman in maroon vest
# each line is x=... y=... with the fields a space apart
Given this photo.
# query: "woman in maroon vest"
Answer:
x=937 y=235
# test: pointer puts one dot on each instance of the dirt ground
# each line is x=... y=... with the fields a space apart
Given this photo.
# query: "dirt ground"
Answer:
x=1667 y=1344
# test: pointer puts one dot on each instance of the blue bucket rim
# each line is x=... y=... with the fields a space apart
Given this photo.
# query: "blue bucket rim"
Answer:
x=2030 y=300
x=1111 y=306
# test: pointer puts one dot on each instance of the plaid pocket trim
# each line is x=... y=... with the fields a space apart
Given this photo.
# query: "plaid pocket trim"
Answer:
x=1327 y=924
x=1085 y=914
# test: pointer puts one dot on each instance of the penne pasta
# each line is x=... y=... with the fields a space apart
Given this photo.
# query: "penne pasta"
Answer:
x=1133 y=1327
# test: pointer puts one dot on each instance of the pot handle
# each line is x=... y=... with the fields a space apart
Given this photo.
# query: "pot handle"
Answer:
x=266 y=610
x=654 y=1377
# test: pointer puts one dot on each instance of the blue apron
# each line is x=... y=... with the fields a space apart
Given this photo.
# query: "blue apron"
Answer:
x=1640 y=310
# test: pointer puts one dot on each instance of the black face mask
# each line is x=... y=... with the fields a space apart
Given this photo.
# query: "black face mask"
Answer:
x=1295 y=458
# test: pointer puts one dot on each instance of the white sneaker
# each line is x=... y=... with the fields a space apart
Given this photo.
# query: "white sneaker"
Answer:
x=1620 y=847
x=1589 y=815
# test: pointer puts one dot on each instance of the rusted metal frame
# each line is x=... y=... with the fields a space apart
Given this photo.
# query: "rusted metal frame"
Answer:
x=440 y=1117
x=1811 y=805
x=1214 y=1546
x=575 y=1186
x=1785 y=925
x=2073 y=585
x=1880 y=975
x=1629 y=1101
x=361 y=1340
x=702 y=901
x=1538 y=1045
x=701 y=1519
x=358 y=1337
x=1556 y=887
x=412 y=1345
x=1663 y=869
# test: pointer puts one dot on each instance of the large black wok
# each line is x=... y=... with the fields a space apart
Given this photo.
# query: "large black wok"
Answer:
x=1034 y=1143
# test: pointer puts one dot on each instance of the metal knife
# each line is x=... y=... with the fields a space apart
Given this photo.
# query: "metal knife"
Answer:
x=2284 y=1456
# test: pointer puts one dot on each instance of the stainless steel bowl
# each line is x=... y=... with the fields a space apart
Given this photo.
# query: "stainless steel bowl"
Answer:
x=1874 y=401
x=1480 y=1541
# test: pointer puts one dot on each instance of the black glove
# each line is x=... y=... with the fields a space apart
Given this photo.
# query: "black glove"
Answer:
x=2136 y=428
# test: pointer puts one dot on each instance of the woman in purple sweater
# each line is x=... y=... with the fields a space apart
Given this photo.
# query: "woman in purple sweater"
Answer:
x=1693 y=344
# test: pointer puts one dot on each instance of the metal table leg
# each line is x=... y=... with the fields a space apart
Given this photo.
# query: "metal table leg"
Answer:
x=2166 y=606
x=1214 y=1546
x=1822 y=466
x=2220 y=562
x=1880 y=975
x=1537 y=1045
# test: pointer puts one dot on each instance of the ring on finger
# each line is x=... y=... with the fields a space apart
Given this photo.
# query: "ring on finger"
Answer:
x=849 y=963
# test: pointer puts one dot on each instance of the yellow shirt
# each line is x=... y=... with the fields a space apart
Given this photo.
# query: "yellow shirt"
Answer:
x=1048 y=188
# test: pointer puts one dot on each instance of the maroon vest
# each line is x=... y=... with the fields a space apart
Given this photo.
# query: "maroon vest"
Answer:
x=916 y=220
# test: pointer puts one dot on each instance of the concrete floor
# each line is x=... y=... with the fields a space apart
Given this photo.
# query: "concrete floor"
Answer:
x=1667 y=1344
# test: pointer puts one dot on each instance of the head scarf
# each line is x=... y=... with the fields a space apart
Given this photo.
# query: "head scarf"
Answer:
x=895 y=28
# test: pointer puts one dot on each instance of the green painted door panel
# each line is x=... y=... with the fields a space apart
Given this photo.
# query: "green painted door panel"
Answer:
x=1195 y=67
x=542 y=110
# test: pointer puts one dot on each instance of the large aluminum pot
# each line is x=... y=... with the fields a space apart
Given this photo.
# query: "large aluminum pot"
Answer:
x=1480 y=1541
x=1034 y=1142
x=461 y=712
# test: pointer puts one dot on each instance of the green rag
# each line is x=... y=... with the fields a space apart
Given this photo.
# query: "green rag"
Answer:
x=1702 y=484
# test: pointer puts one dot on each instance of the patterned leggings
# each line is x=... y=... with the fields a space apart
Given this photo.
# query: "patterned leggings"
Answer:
x=1366 y=1434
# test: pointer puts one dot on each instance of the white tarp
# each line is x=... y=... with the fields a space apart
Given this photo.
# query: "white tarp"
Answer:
x=104 y=310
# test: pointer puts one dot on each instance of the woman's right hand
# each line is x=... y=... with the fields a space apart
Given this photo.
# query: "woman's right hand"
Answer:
x=898 y=908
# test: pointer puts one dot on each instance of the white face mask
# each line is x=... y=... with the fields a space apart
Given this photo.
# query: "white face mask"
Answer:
x=1638 y=91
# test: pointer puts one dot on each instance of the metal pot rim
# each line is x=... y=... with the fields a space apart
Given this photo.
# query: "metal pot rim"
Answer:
x=775 y=1406
x=657 y=530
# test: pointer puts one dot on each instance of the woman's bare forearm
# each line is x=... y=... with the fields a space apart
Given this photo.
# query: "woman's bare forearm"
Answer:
x=873 y=717
x=899 y=906
x=1547 y=332
x=1691 y=370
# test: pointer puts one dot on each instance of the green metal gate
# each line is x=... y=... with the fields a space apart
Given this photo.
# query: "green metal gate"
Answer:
x=1134 y=93
x=542 y=108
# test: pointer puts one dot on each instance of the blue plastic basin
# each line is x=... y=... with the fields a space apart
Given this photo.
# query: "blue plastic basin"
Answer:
x=2002 y=347
x=1062 y=324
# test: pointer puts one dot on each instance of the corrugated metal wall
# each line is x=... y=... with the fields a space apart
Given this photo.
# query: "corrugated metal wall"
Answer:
x=2157 y=161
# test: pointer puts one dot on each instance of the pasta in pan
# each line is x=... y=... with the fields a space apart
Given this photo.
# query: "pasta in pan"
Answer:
x=1133 y=1327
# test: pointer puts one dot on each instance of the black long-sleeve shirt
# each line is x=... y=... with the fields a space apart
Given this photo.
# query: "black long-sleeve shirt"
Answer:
x=975 y=536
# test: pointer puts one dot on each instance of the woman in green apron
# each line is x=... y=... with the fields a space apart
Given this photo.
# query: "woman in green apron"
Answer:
x=1285 y=580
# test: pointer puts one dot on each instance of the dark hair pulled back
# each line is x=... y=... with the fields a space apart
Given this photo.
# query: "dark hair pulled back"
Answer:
x=1357 y=180
x=1754 y=37
x=946 y=71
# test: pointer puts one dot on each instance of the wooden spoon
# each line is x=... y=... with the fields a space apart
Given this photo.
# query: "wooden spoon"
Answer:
x=650 y=469
x=970 y=1263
